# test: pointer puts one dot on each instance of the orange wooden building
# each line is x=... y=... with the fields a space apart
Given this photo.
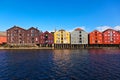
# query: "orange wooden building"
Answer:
x=111 y=36
x=95 y=37
x=3 y=37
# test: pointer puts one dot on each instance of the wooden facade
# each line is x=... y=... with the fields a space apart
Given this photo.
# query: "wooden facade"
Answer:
x=20 y=36
x=16 y=36
x=32 y=36
x=79 y=36
x=46 y=39
x=95 y=37
x=3 y=37
x=111 y=36
x=60 y=39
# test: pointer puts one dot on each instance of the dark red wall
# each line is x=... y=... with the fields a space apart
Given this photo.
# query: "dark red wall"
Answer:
x=46 y=38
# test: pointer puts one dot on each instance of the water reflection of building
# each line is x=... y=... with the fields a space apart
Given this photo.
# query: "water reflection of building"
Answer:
x=60 y=56
x=61 y=62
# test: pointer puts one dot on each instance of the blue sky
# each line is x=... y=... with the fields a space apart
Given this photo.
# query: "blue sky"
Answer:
x=59 y=14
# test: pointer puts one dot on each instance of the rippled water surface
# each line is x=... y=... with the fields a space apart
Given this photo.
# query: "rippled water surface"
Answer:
x=85 y=64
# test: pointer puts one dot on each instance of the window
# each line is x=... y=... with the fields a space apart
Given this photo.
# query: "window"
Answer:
x=80 y=35
x=19 y=31
x=20 y=34
x=32 y=31
x=96 y=41
x=8 y=34
x=32 y=34
x=80 y=41
x=12 y=34
x=36 y=39
x=37 y=34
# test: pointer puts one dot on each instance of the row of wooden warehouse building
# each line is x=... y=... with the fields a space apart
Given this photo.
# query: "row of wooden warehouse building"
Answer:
x=17 y=36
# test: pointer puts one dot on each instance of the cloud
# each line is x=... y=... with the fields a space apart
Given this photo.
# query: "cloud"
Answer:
x=103 y=28
x=117 y=28
x=82 y=27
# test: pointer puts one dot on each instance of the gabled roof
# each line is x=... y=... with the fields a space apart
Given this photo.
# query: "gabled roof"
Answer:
x=95 y=31
x=109 y=30
x=33 y=28
x=46 y=32
x=78 y=29
x=62 y=30
x=15 y=27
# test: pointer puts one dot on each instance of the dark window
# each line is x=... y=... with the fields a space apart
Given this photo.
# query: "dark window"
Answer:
x=96 y=41
x=20 y=34
x=80 y=41
x=32 y=41
x=20 y=42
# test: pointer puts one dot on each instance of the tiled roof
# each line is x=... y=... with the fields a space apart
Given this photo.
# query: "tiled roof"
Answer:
x=78 y=29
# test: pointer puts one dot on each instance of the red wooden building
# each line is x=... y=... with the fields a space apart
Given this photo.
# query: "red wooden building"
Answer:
x=111 y=36
x=46 y=39
x=119 y=37
x=32 y=36
x=20 y=36
x=3 y=37
x=95 y=37
x=16 y=36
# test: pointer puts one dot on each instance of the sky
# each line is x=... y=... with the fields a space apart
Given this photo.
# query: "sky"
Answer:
x=48 y=15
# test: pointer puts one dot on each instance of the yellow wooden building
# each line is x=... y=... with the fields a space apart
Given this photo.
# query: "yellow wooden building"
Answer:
x=61 y=37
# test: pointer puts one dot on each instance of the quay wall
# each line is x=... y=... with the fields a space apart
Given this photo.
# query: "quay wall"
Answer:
x=63 y=46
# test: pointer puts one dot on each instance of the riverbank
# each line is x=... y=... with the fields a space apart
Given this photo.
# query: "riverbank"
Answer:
x=26 y=48
x=58 y=48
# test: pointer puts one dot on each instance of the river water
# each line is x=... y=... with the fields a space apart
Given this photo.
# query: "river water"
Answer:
x=83 y=64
